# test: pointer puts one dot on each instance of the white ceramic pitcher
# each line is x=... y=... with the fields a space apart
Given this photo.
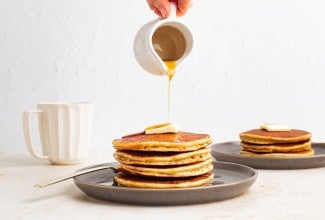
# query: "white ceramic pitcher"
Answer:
x=173 y=34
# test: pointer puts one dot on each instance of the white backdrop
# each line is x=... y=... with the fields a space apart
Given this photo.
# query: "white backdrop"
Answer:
x=254 y=61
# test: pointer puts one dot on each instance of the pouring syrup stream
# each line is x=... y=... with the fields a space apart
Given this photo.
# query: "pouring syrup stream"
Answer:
x=171 y=69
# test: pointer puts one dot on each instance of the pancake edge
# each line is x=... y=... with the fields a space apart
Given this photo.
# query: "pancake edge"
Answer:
x=310 y=152
x=195 y=169
x=140 y=184
x=276 y=148
x=162 y=146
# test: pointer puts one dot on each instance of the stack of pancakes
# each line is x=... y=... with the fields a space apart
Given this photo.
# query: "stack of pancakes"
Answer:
x=290 y=143
x=169 y=160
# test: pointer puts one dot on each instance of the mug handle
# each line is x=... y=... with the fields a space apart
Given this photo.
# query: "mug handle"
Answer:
x=173 y=10
x=28 y=140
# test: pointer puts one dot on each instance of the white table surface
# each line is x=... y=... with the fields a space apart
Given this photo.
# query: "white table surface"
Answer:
x=277 y=194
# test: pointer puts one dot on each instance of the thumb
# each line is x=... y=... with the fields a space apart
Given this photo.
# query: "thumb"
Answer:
x=183 y=6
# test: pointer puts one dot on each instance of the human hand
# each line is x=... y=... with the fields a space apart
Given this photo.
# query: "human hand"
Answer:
x=162 y=7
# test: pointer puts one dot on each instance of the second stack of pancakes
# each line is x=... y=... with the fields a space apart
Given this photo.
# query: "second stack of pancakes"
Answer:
x=290 y=143
x=170 y=160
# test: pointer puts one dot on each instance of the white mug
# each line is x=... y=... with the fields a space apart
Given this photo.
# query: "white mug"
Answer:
x=144 y=47
x=65 y=131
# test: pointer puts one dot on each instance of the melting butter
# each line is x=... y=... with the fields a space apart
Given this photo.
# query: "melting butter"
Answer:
x=275 y=127
x=162 y=129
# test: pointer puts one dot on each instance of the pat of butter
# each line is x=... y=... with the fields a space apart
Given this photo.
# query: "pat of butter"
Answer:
x=275 y=127
x=162 y=129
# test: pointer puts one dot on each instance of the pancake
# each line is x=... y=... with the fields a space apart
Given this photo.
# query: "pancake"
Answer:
x=261 y=136
x=194 y=169
x=306 y=153
x=175 y=142
x=129 y=180
x=276 y=148
x=150 y=158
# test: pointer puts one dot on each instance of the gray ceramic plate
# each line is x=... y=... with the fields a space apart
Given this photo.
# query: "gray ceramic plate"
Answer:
x=230 y=152
x=235 y=178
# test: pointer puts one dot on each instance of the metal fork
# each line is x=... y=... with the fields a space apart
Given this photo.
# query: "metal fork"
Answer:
x=78 y=173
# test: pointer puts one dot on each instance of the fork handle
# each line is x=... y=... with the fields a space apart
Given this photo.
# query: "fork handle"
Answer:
x=69 y=176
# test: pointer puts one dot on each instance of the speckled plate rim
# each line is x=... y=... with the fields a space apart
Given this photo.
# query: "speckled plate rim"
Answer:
x=307 y=162
x=230 y=190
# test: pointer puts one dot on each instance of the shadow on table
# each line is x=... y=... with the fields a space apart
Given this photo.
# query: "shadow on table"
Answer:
x=20 y=160
x=69 y=191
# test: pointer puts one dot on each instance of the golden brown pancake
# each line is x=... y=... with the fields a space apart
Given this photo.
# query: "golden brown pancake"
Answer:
x=306 y=153
x=194 y=169
x=276 y=148
x=261 y=136
x=178 y=142
x=129 y=180
x=154 y=158
x=169 y=160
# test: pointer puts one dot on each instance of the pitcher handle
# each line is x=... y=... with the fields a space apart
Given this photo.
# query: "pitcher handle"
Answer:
x=26 y=128
x=173 y=10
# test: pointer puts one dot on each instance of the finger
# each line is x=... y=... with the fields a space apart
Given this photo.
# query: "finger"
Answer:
x=151 y=6
x=154 y=9
x=161 y=5
x=157 y=12
x=183 y=6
